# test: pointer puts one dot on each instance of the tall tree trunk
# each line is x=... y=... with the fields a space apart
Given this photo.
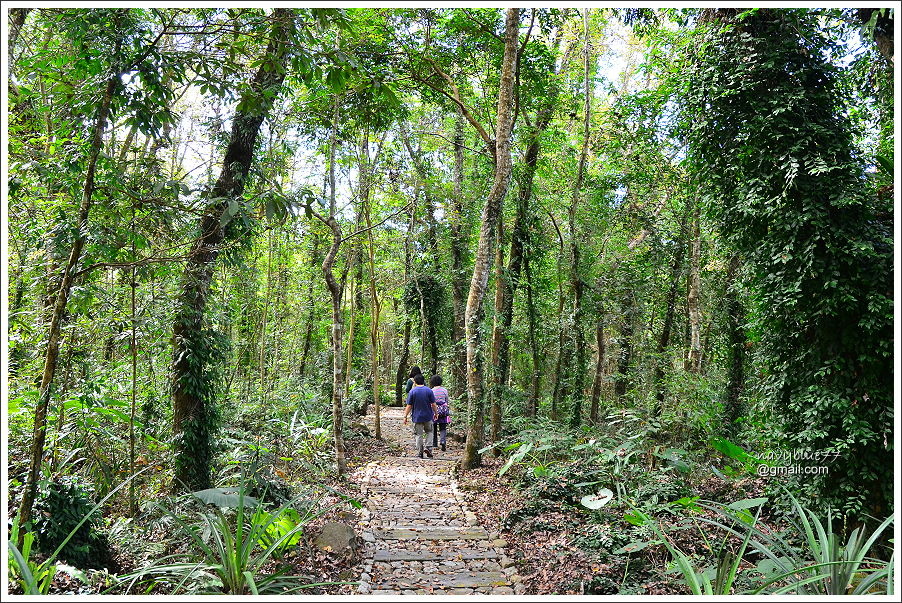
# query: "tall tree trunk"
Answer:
x=576 y=281
x=736 y=339
x=599 y=368
x=533 y=403
x=193 y=409
x=311 y=314
x=265 y=318
x=427 y=322
x=482 y=265
x=508 y=280
x=51 y=354
x=352 y=323
x=405 y=349
x=664 y=340
x=497 y=379
x=374 y=296
x=458 y=277
x=692 y=301
x=336 y=289
x=133 y=285
x=402 y=363
x=625 y=344
x=562 y=348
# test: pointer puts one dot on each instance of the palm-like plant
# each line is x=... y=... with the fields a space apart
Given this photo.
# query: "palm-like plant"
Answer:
x=822 y=565
x=232 y=559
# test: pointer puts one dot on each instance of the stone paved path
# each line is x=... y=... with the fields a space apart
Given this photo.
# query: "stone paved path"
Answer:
x=419 y=537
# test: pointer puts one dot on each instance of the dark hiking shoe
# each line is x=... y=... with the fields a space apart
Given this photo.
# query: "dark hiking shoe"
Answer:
x=443 y=447
x=421 y=455
x=429 y=452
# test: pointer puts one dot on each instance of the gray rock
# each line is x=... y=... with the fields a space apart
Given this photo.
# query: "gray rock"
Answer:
x=337 y=538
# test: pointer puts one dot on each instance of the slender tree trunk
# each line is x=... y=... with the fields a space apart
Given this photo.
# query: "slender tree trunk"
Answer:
x=458 y=276
x=405 y=350
x=376 y=309
x=352 y=323
x=599 y=368
x=497 y=378
x=336 y=289
x=576 y=281
x=133 y=285
x=562 y=348
x=402 y=363
x=482 y=265
x=51 y=355
x=265 y=318
x=625 y=342
x=311 y=314
x=664 y=339
x=427 y=323
x=193 y=412
x=695 y=317
x=535 y=389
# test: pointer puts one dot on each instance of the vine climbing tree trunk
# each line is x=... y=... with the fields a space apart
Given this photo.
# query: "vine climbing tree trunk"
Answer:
x=61 y=300
x=193 y=404
x=484 y=251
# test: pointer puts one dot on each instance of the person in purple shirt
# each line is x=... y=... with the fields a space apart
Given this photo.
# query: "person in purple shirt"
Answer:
x=443 y=411
x=422 y=410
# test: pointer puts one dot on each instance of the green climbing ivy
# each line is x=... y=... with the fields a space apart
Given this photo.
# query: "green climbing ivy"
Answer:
x=771 y=144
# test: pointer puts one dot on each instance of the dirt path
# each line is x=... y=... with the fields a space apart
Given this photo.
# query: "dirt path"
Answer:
x=419 y=536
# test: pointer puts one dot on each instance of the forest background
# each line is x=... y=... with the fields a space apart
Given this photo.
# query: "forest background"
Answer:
x=645 y=248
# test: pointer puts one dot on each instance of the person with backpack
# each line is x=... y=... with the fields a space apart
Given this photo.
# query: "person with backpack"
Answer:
x=442 y=413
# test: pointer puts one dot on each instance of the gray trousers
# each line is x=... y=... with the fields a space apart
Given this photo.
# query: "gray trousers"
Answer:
x=423 y=433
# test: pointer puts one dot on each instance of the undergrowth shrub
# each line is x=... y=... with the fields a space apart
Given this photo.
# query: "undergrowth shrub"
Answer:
x=61 y=505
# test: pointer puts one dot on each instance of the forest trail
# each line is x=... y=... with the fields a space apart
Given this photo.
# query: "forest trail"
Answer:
x=419 y=536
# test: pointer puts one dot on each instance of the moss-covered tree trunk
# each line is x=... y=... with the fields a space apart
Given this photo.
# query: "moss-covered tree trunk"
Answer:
x=193 y=401
x=484 y=251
